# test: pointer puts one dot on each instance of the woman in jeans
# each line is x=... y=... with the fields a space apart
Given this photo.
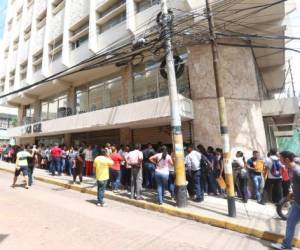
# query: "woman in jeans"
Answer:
x=163 y=162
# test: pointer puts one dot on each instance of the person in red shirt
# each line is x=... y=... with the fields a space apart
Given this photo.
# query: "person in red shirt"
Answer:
x=56 y=160
x=115 y=170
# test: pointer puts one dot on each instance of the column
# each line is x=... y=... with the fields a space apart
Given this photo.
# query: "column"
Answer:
x=125 y=136
x=71 y=99
x=93 y=37
x=238 y=74
x=66 y=35
x=67 y=140
x=21 y=111
x=127 y=83
x=130 y=16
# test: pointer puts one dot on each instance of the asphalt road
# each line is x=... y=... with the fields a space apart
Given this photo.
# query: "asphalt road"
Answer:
x=49 y=217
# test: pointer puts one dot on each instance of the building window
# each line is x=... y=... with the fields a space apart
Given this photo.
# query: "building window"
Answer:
x=6 y=52
x=16 y=43
x=100 y=94
x=145 y=4
x=37 y=61
x=52 y=108
x=28 y=114
x=2 y=84
x=55 y=48
x=79 y=34
x=9 y=24
x=111 y=16
x=112 y=22
x=27 y=33
x=19 y=13
x=29 y=3
x=41 y=20
x=23 y=71
x=12 y=78
x=57 y=5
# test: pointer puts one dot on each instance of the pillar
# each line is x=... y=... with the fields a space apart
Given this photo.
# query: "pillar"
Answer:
x=241 y=90
x=125 y=136
x=67 y=140
x=71 y=99
x=127 y=84
x=21 y=110
x=37 y=111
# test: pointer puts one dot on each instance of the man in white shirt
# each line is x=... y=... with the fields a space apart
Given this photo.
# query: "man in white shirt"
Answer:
x=135 y=159
x=193 y=163
x=273 y=183
x=88 y=157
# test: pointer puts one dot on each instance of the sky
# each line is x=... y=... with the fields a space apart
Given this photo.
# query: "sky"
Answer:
x=2 y=15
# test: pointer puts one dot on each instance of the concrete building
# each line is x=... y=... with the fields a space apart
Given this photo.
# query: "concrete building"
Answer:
x=128 y=102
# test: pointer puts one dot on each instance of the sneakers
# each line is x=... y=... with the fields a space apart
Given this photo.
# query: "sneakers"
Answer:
x=101 y=204
x=279 y=246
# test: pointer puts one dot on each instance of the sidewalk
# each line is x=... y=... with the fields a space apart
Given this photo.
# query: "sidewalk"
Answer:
x=252 y=219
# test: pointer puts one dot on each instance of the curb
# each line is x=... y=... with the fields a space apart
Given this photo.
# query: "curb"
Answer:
x=173 y=211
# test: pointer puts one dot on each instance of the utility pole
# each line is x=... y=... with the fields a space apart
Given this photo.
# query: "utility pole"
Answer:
x=180 y=181
x=222 y=115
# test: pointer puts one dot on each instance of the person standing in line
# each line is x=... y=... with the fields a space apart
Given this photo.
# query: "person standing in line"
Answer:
x=115 y=170
x=286 y=184
x=22 y=166
x=255 y=166
x=273 y=185
x=78 y=165
x=108 y=149
x=241 y=175
x=31 y=163
x=101 y=168
x=162 y=161
x=63 y=158
x=193 y=161
x=288 y=160
x=127 y=169
x=149 y=167
x=88 y=156
x=55 y=160
x=135 y=159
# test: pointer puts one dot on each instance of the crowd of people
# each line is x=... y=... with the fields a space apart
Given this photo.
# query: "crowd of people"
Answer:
x=135 y=167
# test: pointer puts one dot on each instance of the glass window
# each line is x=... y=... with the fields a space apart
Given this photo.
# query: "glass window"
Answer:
x=52 y=110
x=114 y=92
x=44 y=111
x=145 y=84
x=145 y=4
x=96 y=100
x=82 y=101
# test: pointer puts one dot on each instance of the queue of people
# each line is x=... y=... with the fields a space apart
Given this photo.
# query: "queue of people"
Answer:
x=135 y=168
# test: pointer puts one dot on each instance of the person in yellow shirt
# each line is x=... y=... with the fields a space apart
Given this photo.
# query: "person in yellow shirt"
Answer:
x=101 y=167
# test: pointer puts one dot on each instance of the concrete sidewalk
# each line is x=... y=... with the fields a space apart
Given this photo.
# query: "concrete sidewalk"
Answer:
x=252 y=218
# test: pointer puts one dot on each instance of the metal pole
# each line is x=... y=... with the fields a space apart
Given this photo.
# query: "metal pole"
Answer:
x=222 y=115
x=180 y=181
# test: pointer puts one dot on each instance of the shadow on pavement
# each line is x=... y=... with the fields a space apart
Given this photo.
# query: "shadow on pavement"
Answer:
x=3 y=237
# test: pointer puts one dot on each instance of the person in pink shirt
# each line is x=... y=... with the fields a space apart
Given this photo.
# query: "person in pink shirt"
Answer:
x=164 y=163
x=115 y=169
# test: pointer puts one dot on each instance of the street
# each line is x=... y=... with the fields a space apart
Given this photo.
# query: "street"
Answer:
x=49 y=217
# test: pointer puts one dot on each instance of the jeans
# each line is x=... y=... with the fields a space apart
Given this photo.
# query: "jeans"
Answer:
x=293 y=218
x=101 y=186
x=136 y=182
x=272 y=189
x=63 y=164
x=30 y=174
x=161 y=183
x=69 y=166
x=243 y=188
x=196 y=175
x=55 y=165
x=171 y=183
x=257 y=184
x=115 y=176
x=150 y=174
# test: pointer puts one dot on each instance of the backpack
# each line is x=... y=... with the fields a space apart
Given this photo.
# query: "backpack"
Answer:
x=205 y=165
x=275 y=169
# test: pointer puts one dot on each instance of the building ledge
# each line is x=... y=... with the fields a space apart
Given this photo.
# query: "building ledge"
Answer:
x=145 y=113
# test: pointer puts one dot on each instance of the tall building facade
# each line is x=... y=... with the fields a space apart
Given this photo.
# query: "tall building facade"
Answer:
x=127 y=102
